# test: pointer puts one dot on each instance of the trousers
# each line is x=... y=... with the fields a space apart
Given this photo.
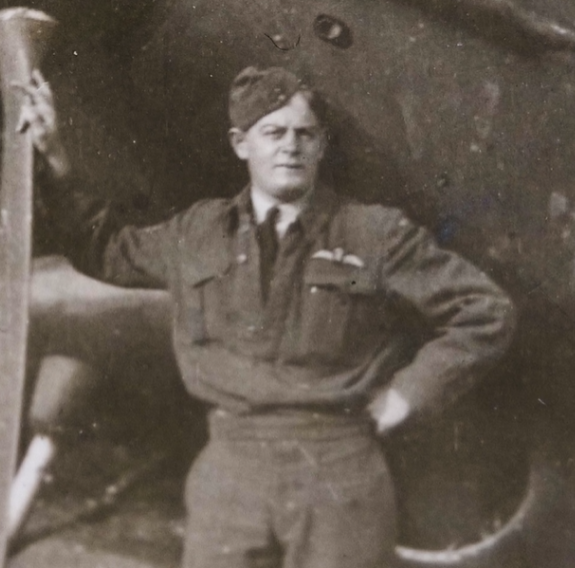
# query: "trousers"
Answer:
x=282 y=492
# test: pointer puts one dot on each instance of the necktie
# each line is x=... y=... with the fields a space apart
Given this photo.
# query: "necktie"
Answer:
x=268 y=242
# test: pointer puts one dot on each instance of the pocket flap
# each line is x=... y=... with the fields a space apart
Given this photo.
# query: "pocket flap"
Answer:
x=345 y=277
x=198 y=271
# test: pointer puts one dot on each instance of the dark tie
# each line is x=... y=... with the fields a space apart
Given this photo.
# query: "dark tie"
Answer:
x=268 y=242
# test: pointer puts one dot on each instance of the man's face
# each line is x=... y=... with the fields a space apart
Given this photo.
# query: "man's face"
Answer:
x=283 y=150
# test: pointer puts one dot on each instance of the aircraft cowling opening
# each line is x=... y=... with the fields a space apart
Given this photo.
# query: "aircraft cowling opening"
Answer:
x=508 y=544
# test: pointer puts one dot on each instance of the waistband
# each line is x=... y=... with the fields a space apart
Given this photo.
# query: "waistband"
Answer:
x=297 y=425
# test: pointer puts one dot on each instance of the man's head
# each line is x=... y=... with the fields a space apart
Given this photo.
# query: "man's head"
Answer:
x=277 y=128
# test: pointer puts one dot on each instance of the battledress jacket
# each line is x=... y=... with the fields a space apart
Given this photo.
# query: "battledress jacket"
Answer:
x=361 y=300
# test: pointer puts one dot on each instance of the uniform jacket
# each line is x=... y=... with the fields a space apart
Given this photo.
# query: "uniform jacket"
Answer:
x=361 y=300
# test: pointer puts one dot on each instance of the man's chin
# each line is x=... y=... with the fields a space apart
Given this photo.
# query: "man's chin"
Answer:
x=292 y=189
x=292 y=193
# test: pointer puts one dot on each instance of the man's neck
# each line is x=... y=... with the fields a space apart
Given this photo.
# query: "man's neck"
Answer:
x=289 y=211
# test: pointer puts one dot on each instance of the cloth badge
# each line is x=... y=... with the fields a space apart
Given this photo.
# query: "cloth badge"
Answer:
x=338 y=255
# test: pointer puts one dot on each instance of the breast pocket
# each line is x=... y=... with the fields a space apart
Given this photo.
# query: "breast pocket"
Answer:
x=341 y=311
x=205 y=301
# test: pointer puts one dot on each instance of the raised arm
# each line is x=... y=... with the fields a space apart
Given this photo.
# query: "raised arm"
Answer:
x=96 y=242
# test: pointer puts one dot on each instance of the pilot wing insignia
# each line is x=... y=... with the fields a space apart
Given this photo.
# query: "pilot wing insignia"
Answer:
x=338 y=255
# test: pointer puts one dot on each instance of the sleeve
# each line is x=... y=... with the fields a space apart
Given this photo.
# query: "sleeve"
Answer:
x=470 y=319
x=98 y=246
x=142 y=257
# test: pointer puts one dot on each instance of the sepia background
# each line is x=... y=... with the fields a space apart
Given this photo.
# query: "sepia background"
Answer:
x=462 y=112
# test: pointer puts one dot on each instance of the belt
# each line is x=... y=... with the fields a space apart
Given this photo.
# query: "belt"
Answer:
x=296 y=425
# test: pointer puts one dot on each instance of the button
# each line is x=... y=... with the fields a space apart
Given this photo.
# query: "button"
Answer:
x=313 y=289
x=242 y=258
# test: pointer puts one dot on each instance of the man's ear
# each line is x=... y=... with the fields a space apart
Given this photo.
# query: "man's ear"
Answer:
x=237 y=139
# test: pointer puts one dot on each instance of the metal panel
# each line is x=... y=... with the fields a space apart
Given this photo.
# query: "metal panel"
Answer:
x=23 y=34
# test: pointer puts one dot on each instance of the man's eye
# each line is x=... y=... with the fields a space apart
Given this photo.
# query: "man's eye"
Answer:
x=275 y=133
x=306 y=134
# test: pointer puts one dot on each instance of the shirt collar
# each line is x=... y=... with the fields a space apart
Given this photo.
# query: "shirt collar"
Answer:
x=317 y=210
x=288 y=212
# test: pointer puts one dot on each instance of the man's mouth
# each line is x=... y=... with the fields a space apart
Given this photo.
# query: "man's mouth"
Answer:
x=291 y=166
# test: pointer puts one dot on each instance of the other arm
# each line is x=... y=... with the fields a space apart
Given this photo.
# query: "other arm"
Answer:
x=471 y=322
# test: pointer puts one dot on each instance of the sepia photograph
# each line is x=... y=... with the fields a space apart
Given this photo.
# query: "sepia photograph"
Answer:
x=287 y=284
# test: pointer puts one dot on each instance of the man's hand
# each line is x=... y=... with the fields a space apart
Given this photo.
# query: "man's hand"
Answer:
x=38 y=116
x=388 y=410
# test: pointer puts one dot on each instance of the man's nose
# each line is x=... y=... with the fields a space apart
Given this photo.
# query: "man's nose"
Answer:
x=291 y=142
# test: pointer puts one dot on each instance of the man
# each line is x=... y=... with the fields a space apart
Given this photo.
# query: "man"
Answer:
x=309 y=323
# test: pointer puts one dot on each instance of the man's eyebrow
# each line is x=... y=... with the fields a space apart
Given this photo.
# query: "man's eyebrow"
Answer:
x=306 y=126
x=311 y=126
x=272 y=125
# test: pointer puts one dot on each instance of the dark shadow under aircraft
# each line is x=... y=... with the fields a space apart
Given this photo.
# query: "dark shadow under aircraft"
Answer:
x=462 y=112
